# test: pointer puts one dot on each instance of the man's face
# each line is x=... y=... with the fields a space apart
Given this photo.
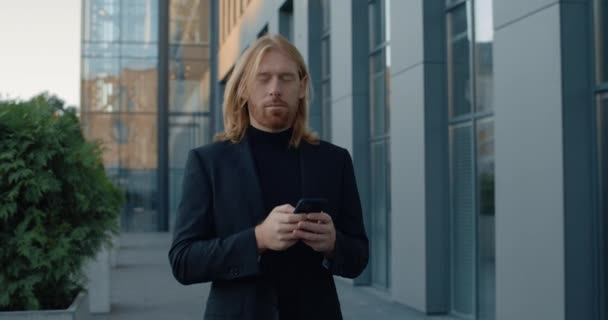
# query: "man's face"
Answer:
x=275 y=92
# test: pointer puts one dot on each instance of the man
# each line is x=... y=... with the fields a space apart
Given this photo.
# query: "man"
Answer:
x=236 y=224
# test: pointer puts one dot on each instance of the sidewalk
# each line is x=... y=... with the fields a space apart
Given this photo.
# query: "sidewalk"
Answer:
x=143 y=288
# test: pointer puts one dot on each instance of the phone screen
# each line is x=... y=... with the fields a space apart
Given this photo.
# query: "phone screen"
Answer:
x=309 y=205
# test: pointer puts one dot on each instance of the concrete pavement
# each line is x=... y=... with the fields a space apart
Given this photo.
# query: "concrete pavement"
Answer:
x=143 y=288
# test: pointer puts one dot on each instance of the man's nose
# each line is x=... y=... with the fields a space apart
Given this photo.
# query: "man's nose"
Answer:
x=274 y=87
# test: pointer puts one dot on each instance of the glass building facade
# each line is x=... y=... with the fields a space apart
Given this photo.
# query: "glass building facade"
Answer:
x=471 y=139
x=121 y=84
x=379 y=143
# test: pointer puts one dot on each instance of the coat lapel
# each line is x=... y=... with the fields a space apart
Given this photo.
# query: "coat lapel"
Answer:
x=247 y=174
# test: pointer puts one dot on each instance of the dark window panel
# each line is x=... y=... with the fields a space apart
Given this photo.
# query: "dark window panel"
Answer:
x=463 y=220
x=486 y=220
x=459 y=78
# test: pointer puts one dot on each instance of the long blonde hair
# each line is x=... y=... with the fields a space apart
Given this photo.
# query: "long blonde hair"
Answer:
x=236 y=114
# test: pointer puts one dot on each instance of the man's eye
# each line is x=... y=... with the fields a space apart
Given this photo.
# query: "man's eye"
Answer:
x=287 y=77
x=263 y=78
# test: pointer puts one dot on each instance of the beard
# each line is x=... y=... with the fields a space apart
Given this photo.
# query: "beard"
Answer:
x=274 y=117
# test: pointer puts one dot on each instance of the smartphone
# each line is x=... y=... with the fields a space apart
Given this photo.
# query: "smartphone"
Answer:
x=308 y=205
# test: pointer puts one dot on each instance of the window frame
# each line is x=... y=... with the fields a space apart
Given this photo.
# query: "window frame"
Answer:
x=600 y=92
x=382 y=49
x=472 y=119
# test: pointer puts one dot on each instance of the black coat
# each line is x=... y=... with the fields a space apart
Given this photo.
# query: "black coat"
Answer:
x=214 y=236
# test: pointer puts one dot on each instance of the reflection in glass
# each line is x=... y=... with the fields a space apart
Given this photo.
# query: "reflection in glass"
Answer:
x=458 y=62
x=326 y=14
x=100 y=85
x=286 y=20
x=119 y=99
x=138 y=82
x=486 y=285
x=101 y=21
x=484 y=37
x=130 y=158
x=185 y=132
x=100 y=50
x=139 y=21
x=379 y=219
x=189 y=85
x=463 y=220
x=325 y=50
x=379 y=141
x=376 y=16
x=188 y=28
x=378 y=94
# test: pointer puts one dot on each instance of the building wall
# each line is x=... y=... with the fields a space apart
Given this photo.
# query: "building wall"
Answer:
x=539 y=143
x=530 y=184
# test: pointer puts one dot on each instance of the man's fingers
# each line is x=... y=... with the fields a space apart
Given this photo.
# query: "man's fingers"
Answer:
x=290 y=236
x=314 y=227
x=308 y=236
x=293 y=218
x=286 y=227
x=286 y=208
x=320 y=216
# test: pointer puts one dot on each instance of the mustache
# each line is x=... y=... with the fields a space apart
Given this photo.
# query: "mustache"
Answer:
x=276 y=103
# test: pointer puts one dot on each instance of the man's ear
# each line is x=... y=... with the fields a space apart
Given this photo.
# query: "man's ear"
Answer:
x=303 y=86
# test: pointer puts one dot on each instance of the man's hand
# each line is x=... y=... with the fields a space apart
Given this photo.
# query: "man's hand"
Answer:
x=318 y=232
x=277 y=230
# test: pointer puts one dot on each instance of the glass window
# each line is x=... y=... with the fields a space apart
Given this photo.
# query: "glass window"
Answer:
x=376 y=21
x=380 y=220
x=484 y=74
x=379 y=73
x=189 y=86
x=130 y=157
x=139 y=21
x=325 y=71
x=286 y=20
x=186 y=28
x=98 y=126
x=138 y=82
x=101 y=20
x=100 y=85
x=486 y=282
x=325 y=7
x=601 y=12
x=463 y=220
x=325 y=57
x=602 y=145
x=459 y=82
x=601 y=50
x=471 y=94
x=185 y=132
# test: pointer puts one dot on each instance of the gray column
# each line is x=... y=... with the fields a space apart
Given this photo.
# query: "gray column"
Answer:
x=300 y=25
x=529 y=161
x=342 y=73
x=419 y=152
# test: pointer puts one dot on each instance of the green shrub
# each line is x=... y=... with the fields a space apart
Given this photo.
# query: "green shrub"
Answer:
x=57 y=206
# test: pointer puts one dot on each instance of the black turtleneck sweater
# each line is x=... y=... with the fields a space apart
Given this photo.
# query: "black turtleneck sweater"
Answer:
x=277 y=165
x=279 y=174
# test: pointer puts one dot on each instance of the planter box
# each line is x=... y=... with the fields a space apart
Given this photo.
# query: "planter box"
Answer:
x=79 y=310
x=98 y=285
